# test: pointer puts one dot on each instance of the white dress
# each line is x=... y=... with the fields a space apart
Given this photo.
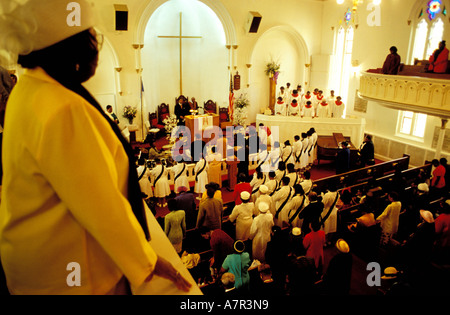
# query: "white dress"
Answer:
x=161 y=182
x=243 y=215
x=298 y=146
x=279 y=198
x=338 y=109
x=290 y=209
x=144 y=182
x=330 y=224
x=180 y=176
x=201 y=175
x=287 y=155
x=304 y=157
x=255 y=183
x=260 y=234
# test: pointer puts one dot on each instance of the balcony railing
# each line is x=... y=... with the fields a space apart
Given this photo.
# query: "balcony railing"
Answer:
x=423 y=93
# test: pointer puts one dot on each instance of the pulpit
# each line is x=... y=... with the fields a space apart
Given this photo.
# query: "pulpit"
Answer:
x=199 y=123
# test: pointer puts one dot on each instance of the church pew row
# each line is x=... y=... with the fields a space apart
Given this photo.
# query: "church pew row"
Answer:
x=363 y=174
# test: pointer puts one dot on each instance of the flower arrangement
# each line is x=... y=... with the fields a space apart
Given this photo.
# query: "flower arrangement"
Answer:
x=129 y=112
x=169 y=124
x=242 y=101
x=272 y=68
x=240 y=112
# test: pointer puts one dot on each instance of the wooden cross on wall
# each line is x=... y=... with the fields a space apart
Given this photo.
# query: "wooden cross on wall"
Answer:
x=180 y=37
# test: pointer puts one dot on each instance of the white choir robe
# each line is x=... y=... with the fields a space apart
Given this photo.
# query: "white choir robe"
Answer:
x=330 y=225
x=262 y=134
x=283 y=194
x=338 y=109
x=264 y=161
x=144 y=182
x=290 y=209
x=297 y=153
x=272 y=185
x=295 y=97
x=304 y=157
x=255 y=183
x=331 y=99
x=278 y=176
x=294 y=111
x=310 y=150
x=323 y=110
x=162 y=187
x=280 y=109
x=182 y=179
x=308 y=111
x=275 y=157
x=307 y=98
x=306 y=185
x=260 y=234
x=294 y=178
x=314 y=136
x=293 y=206
x=243 y=215
x=283 y=95
x=202 y=178
x=287 y=155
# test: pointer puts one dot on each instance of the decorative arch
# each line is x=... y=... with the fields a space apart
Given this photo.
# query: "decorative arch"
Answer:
x=215 y=5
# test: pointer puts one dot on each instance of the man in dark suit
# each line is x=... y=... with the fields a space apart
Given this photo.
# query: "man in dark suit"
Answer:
x=182 y=109
x=367 y=152
x=343 y=159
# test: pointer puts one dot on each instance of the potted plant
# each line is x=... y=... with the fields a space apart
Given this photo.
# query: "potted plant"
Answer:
x=129 y=112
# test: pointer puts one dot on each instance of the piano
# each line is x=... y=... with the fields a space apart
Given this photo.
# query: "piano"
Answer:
x=328 y=147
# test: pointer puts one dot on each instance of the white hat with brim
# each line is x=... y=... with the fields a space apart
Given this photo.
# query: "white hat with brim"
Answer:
x=427 y=216
x=27 y=26
x=263 y=189
x=389 y=273
x=423 y=187
x=245 y=195
x=296 y=231
x=342 y=246
x=263 y=207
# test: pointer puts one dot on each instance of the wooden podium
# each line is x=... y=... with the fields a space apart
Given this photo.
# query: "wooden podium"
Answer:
x=198 y=124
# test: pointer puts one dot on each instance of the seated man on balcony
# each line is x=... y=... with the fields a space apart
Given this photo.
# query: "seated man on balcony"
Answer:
x=392 y=62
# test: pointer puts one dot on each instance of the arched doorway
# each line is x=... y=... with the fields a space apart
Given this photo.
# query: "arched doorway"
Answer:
x=202 y=71
x=286 y=47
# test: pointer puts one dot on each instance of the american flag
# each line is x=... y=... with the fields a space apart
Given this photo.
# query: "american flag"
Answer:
x=231 y=99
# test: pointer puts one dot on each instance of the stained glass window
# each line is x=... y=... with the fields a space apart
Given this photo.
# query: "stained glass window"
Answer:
x=434 y=7
x=348 y=16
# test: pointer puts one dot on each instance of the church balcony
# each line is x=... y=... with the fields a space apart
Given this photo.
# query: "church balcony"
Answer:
x=419 y=92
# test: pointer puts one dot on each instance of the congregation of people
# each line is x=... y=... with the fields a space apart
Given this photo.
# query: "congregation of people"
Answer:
x=274 y=232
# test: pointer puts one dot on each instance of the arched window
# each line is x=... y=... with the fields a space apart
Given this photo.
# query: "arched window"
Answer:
x=342 y=61
x=427 y=28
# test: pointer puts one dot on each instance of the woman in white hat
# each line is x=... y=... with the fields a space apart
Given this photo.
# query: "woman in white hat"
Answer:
x=264 y=197
x=83 y=202
x=260 y=232
x=243 y=215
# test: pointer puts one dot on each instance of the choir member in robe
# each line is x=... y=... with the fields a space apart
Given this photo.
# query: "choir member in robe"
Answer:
x=260 y=232
x=294 y=177
x=243 y=215
x=144 y=178
x=295 y=96
x=214 y=160
x=318 y=100
x=282 y=93
x=180 y=175
x=259 y=178
x=295 y=207
x=307 y=97
x=288 y=89
x=298 y=149
x=161 y=182
x=314 y=137
x=201 y=176
x=338 y=108
x=308 y=110
x=323 y=109
x=275 y=155
x=331 y=98
x=439 y=59
x=272 y=183
x=304 y=156
x=264 y=197
x=280 y=107
x=392 y=62
x=287 y=153
x=294 y=108
x=281 y=198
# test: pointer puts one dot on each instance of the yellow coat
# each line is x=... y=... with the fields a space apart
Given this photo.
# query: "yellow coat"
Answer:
x=64 y=195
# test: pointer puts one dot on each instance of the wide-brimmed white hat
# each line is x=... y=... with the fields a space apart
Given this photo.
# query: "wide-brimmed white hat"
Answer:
x=245 y=195
x=31 y=25
x=427 y=216
x=296 y=231
x=263 y=189
x=390 y=273
x=423 y=187
x=263 y=207
x=342 y=246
